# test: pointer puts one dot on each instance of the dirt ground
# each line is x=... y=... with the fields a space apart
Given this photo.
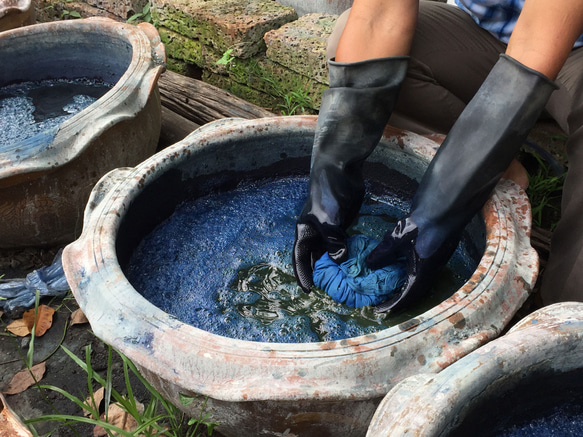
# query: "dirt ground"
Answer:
x=63 y=372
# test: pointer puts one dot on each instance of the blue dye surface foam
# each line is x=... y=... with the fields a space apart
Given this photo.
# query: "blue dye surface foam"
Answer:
x=32 y=112
x=222 y=263
x=563 y=421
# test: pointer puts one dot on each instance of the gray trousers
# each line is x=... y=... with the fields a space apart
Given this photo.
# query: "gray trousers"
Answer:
x=450 y=58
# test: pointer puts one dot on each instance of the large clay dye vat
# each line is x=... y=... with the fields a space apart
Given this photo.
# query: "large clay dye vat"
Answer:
x=15 y=13
x=43 y=189
x=309 y=389
x=517 y=377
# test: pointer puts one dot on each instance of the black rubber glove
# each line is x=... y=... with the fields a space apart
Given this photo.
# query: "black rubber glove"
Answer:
x=354 y=112
x=462 y=175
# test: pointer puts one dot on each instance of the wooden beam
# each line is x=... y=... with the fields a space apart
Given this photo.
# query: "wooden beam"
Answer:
x=201 y=103
x=174 y=128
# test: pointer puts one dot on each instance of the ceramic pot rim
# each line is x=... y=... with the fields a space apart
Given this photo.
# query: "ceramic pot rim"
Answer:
x=458 y=318
x=127 y=97
x=548 y=340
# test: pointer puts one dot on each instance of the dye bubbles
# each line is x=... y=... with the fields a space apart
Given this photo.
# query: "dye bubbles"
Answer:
x=562 y=421
x=222 y=263
x=31 y=108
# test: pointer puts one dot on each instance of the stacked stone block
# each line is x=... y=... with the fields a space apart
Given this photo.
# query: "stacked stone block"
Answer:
x=257 y=49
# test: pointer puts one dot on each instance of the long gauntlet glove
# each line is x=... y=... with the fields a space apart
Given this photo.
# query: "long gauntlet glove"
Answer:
x=459 y=180
x=354 y=112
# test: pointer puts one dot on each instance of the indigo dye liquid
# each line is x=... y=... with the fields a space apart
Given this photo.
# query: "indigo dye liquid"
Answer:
x=29 y=108
x=561 y=421
x=222 y=263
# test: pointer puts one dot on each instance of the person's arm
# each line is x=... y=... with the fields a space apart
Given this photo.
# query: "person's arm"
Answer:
x=480 y=145
x=378 y=29
x=545 y=33
x=365 y=77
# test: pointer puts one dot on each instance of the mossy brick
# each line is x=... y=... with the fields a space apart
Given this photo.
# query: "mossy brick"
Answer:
x=265 y=75
x=211 y=57
x=121 y=8
x=182 y=67
x=176 y=65
x=225 y=24
x=176 y=15
x=180 y=47
x=56 y=10
x=301 y=45
x=242 y=91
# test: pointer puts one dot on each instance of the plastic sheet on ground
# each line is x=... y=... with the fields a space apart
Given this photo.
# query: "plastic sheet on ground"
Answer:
x=18 y=294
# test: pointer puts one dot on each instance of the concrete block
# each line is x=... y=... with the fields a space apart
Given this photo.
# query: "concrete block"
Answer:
x=301 y=45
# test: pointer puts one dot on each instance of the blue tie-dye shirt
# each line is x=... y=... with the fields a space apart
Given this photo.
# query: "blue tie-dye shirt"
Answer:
x=497 y=16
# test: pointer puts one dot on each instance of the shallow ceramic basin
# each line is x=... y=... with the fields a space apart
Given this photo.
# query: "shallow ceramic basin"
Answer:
x=536 y=366
x=308 y=389
x=44 y=187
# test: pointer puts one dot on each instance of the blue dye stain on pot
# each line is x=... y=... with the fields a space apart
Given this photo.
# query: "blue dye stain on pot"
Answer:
x=144 y=340
x=222 y=263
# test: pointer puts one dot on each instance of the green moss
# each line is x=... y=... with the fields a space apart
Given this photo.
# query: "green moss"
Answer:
x=242 y=91
x=224 y=24
x=179 y=66
x=176 y=20
x=270 y=77
x=180 y=47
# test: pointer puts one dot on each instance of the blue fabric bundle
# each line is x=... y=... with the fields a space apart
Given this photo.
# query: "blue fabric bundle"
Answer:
x=354 y=284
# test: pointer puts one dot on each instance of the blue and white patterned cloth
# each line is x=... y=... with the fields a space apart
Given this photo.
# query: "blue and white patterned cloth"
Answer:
x=497 y=16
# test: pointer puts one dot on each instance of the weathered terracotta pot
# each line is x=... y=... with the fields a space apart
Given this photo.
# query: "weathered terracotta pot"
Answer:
x=16 y=13
x=43 y=190
x=537 y=364
x=309 y=389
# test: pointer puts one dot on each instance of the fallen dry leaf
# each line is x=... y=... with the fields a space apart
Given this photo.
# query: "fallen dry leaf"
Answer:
x=23 y=379
x=23 y=327
x=78 y=318
x=44 y=319
x=18 y=327
x=10 y=424
x=117 y=416
x=94 y=401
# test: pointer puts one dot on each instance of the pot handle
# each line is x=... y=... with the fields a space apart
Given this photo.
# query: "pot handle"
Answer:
x=103 y=186
x=158 y=48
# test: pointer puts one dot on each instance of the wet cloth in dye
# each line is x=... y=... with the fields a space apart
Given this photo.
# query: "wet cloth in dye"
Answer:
x=352 y=282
